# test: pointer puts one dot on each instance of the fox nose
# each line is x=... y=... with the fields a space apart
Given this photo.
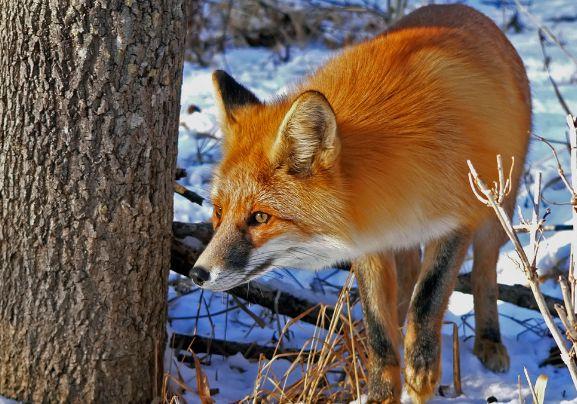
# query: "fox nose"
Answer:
x=199 y=275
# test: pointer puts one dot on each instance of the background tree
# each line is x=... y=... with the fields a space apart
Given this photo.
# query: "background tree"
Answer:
x=89 y=105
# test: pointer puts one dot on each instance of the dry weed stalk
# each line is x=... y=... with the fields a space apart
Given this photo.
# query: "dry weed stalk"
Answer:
x=537 y=390
x=494 y=197
x=174 y=386
x=457 y=387
x=341 y=349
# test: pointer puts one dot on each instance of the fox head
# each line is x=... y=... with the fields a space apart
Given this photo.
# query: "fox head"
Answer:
x=277 y=193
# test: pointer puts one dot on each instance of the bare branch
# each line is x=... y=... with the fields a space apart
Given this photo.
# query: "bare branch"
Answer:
x=571 y=332
x=560 y=170
x=188 y=194
x=535 y=221
x=200 y=231
x=527 y=265
x=567 y=300
x=200 y=344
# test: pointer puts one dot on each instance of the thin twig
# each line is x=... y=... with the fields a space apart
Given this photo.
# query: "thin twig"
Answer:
x=547 y=62
x=243 y=307
x=522 y=228
x=572 y=123
x=535 y=221
x=571 y=332
x=566 y=292
x=546 y=31
x=560 y=169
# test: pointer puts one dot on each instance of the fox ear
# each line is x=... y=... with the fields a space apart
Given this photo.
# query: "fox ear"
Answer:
x=231 y=94
x=307 y=137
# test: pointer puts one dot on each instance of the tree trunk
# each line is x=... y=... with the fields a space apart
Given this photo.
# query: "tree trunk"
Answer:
x=89 y=105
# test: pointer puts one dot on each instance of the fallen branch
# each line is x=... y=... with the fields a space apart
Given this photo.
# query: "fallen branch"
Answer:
x=199 y=344
x=200 y=231
x=182 y=257
x=280 y=302
x=518 y=295
x=188 y=194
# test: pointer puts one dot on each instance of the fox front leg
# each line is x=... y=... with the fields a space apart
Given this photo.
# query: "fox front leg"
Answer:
x=377 y=280
x=441 y=264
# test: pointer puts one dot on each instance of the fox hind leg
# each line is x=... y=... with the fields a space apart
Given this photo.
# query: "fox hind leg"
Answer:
x=488 y=346
x=441 y=264
x=408 y=263
x=376 y=277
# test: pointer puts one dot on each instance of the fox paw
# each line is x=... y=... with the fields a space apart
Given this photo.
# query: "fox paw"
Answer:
x=384 y=384
x=383 y=400
x=421 y=383
x=493 y=355
x=422 y=371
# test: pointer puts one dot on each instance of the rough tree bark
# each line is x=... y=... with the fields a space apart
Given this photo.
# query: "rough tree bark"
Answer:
x=89 y=104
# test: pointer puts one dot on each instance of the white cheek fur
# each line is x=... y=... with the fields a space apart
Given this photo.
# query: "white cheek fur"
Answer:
x=315 y=253
x=322 y=251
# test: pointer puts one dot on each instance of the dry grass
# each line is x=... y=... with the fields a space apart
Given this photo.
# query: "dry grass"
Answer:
x=328 y=368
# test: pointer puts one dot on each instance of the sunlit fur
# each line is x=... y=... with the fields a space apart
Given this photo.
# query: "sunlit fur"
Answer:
x=411 y=106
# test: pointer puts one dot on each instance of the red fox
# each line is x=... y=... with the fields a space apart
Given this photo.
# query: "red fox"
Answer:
x=365 y=160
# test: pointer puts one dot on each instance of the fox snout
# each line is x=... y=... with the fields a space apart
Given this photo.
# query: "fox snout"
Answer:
x=199 y=275
x=224 y=263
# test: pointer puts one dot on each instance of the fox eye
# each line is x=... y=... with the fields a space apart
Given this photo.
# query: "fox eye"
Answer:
x=259 y=218
x=218 y=212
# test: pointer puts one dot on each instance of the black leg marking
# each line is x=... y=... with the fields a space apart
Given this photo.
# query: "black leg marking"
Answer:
x=383 y=355
x=491 y=333
x=432 y=289
x=423 y=346
x=425 y=352
x=381 y=345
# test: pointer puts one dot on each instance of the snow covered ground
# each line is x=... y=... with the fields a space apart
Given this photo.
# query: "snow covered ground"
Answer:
x=261 y=72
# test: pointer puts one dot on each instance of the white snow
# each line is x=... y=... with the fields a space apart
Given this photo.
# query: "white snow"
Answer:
x=523 y=332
